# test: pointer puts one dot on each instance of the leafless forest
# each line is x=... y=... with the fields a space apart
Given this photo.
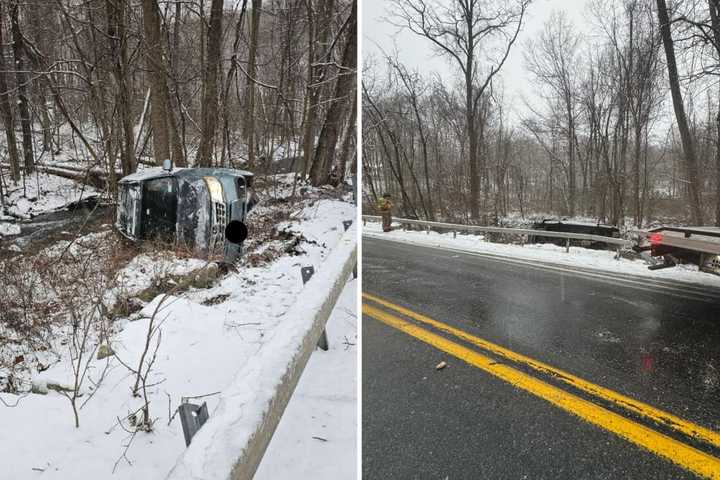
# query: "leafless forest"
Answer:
x=109 y=84
x=625 y=126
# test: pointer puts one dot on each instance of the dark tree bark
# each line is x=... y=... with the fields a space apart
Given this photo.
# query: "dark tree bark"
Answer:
x=22 y=87
x=344 y=93
x=319 y=27
x=210 y=89
x=347 y=152
x=6 y=110
x=250 y=84
x=159 y=101
x=679 y=107
x=117 y=32
x=714 y=6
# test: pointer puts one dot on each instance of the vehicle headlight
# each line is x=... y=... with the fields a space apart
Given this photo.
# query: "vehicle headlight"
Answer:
x=215 y=189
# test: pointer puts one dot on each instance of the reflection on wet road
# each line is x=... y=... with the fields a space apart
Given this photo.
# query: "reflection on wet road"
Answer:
x=639 y=367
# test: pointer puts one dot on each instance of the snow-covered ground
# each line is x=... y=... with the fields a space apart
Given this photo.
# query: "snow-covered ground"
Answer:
x=316 y=437
x=44 y=193
x=578 y=256
x=203 y=338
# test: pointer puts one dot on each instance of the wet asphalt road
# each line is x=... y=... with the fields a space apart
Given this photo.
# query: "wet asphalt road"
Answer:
x=650 y=342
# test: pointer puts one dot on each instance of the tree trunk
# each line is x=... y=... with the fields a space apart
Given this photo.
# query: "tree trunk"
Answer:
x=22 y=81
x=679 y=107
x=250 y=82
x=714 y=6
x=210 y=90
x=318 y=34
x=6 y=110
x=116 y=11
x=347 y=152
x=344 y=92
x=474 y=199
x=158 y=88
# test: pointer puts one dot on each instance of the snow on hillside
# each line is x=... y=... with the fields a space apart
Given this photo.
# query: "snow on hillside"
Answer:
x=42 y=193
x=199 y=339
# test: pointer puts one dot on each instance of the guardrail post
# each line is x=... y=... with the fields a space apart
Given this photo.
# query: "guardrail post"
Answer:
x=454 y=234
x=617 y=254
x=427 y=229
x=567 y=245
x=192 y=417
x=307 y=273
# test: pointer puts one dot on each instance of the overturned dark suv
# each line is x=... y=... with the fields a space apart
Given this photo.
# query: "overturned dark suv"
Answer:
x=202 y=209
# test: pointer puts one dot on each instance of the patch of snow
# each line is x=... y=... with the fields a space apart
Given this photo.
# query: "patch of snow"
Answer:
x=578 y=256
x=9 y=229
x=316 y=437
x=245 y=401
x=203 y=347
x=44 y=193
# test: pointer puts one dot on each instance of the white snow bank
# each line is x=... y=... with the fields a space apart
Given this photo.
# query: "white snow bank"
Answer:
x=44 y=193
x=205 y=342
x=316 y=437
x=578 y=256
x=9 y=229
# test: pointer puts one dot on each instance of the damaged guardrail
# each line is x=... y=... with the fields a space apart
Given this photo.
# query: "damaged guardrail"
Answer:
x=233 y=441
x=454 y=227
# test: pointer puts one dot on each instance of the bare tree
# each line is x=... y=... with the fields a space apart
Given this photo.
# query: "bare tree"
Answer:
x=250 y=81
x=22 y=87
x=117 y=33
x=209 y=104
x=6 y=109
x=340 y=107
x=553 y=61
x=464 y=31
x=680 y=116
x=161 y=116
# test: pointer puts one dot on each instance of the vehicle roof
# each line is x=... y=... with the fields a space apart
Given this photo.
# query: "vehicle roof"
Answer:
x=159 y=172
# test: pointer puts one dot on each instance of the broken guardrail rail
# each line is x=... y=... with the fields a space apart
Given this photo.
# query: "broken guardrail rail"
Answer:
x=232 y=442
x=454 y=227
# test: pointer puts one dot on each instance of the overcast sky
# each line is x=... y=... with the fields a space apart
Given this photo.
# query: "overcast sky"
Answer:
x=415 y=52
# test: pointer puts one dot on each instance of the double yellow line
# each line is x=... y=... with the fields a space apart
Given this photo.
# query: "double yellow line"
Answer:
x=674 y=450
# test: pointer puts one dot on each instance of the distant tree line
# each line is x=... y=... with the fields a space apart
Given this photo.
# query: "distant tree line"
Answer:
x=624 y=125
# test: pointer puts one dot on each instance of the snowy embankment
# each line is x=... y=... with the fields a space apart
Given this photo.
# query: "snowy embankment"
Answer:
x=202 y=338
x=603 y=260
x=42 y=193
x=316 y=437
x=232 y=440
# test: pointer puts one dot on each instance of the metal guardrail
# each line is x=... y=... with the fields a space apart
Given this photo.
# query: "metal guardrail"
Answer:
x=232 y=443
x=685 y=238
x=618 y=242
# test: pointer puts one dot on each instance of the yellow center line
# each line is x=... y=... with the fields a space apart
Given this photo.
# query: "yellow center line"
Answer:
x=648 y=411
x=675 y=451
